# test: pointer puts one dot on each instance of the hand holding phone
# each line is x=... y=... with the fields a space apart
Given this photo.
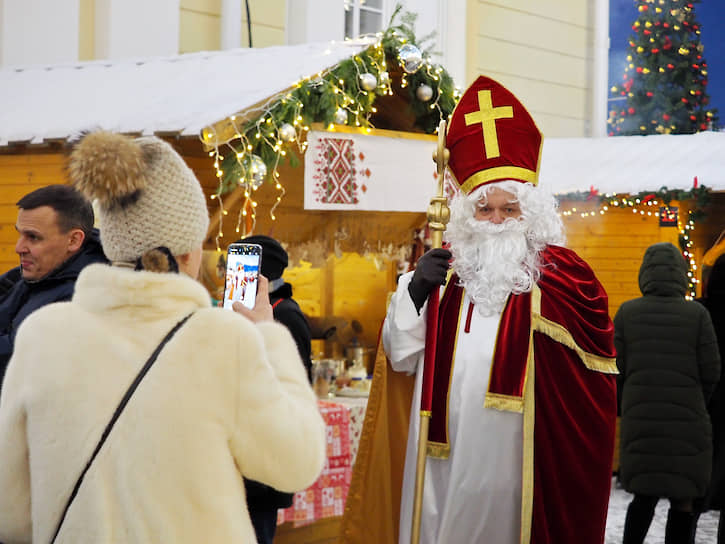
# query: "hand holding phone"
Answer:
x=262 y=310
x=242 y=274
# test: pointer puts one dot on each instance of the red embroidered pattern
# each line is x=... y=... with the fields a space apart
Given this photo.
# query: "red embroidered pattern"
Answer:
x=335 y=172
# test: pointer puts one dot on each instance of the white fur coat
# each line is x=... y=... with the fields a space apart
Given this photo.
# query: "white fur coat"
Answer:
x=225 y=398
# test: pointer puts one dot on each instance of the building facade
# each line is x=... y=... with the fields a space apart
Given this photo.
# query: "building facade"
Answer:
x=553 y=55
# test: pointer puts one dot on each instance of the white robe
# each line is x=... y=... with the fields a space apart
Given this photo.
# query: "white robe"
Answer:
x=474 y=496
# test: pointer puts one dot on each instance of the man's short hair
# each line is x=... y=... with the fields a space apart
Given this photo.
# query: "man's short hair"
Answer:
x=73 y=209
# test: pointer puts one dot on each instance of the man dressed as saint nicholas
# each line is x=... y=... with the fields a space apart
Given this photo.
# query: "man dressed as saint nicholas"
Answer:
x=524 y=399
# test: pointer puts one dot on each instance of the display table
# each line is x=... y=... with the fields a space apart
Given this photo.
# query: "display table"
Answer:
x=324 y=501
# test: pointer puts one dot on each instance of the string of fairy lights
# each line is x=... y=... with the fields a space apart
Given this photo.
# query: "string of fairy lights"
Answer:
x=640 y=207
x=256 y=142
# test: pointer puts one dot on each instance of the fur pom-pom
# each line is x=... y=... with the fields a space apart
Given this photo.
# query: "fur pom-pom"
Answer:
x=158 y=259
x=109 y=167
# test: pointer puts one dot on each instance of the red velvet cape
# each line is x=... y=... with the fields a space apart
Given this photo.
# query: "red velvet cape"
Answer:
x=567 y=332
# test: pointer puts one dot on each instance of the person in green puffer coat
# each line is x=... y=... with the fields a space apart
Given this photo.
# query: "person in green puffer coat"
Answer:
x=669 y=365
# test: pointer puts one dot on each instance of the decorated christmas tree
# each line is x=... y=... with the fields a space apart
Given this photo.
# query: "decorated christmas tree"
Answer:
x=664 y=88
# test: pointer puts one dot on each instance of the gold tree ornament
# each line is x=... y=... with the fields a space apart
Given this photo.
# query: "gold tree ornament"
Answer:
x=438 y=211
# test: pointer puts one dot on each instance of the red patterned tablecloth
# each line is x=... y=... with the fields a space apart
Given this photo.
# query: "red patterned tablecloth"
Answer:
x=326 y=497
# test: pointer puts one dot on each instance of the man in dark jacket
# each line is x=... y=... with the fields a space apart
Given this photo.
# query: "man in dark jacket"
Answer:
x=8 y=280
x=56 y=240
x=669 y=364
x=262 y=500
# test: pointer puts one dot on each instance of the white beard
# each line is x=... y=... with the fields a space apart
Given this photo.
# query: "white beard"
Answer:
x=492 y=261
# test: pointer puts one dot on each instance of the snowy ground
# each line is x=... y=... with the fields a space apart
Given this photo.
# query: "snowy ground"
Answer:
x=618 y=502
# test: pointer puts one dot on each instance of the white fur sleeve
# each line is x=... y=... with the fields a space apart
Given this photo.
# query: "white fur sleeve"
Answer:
x=404 y=329
x=15 y=518
x=281 y=434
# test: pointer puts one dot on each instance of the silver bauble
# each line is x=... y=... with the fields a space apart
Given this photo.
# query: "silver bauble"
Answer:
x=411 y=59
x=256 y=172
x=287 y=133
x=341 y=116
x=368 y=82
x=424 y=92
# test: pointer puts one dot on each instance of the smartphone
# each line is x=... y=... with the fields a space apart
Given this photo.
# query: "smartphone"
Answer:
x=243 y=261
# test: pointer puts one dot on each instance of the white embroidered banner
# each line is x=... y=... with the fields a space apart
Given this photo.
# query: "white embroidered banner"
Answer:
x=350 y=171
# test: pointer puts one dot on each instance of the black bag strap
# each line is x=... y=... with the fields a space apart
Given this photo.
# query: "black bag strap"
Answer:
x=114 y=418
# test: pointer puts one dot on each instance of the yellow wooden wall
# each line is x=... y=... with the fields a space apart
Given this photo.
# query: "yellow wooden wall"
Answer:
x=200 y=20
x=19 y=175
x=86 y=30
x=350 y=287
x=613 y=244
x=541 y=51
x=200 y=25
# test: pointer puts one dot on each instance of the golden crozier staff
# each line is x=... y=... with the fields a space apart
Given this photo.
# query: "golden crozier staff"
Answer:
x=438 y=215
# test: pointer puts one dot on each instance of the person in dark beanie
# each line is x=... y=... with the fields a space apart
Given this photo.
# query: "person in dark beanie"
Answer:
x=264 y=501
x=56 y=240
x=669 y=365
x=285 y=308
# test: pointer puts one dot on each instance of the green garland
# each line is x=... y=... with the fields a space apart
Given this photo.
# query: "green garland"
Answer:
x=700 y=195
x=318 y=100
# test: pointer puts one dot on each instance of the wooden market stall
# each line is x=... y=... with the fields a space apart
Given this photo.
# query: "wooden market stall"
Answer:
x=343 y=263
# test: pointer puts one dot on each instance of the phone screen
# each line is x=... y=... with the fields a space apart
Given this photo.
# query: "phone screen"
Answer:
x=242 y=274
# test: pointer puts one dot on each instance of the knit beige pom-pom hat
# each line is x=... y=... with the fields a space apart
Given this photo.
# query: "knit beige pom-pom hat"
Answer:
x=146 y=196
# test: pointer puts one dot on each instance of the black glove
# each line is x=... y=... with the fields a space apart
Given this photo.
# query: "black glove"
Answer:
x=430 y=272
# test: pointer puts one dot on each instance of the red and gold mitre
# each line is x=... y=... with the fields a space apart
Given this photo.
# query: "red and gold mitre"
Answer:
x=491 y=137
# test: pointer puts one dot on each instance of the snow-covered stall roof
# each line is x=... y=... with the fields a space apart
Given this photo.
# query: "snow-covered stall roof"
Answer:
x=632 y=164
x=178 y=94
x=185 y=93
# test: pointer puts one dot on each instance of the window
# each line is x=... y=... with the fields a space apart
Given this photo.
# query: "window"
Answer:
x=363 y=17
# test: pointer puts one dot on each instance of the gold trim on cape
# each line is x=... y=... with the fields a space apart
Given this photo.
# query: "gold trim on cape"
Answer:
x=507 y=403
x=598 y=363
x=527 y=465
x=438 y=450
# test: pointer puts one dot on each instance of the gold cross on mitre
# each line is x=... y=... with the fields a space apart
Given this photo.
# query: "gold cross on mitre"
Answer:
x=487 y=116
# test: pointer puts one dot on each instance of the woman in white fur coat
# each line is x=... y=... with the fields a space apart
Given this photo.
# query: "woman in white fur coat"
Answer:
x=227 y=396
